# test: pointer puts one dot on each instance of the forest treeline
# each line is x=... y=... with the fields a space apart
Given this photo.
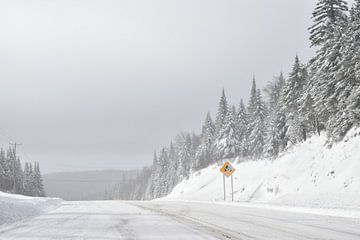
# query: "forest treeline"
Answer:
x=14 y=178
x=321 y=96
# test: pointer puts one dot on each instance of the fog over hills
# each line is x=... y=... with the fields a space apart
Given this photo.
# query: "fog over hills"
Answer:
x=86 y=185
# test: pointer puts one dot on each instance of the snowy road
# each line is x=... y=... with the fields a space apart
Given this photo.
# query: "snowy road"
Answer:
x=258 y=223
x=178 y=220
x=100 y=220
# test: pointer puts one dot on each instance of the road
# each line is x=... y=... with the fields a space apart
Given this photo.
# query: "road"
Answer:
x=171 y=220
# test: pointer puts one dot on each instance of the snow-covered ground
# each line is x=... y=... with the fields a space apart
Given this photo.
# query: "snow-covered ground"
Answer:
x=102 y=220
x=309 y=175
x=16 y=207
x=177 y=220
x=251 y=222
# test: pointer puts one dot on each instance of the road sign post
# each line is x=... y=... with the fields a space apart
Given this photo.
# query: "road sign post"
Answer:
x=224 y=187
x=232 y=188
x=227 y=170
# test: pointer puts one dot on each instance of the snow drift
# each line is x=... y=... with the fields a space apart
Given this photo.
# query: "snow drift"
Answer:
x=309 y=175
x=16 y=207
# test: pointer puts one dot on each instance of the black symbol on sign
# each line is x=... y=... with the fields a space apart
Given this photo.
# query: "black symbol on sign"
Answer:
x=228 y=168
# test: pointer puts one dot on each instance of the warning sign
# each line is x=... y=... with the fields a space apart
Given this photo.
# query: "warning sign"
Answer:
x=227 y=169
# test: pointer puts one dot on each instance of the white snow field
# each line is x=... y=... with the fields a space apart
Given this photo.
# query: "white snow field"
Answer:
x=309 y=175
x=16 y=207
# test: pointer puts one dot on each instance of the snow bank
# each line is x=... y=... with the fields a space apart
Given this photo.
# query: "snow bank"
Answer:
x=309 y=175
x=16 y=207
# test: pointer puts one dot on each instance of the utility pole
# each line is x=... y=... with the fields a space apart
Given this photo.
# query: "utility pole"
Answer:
x=14 y=160
x=15 y=146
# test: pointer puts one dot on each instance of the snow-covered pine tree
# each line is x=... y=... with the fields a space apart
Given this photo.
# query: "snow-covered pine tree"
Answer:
x=275 y=126
x=326 y=14
x=330 y=21
x=242 y=127
x=163 y=174
x=323 y=71
x=307 y=115
x=155 y=188
x=252 y=99
x=346 y=79
x=291 y=95
x=353 y=102
x=19 y=177
x=11 y=162
x=251 y=108
x=183 y=147
x=205 y=154
x=221 y=114
x=258 y=133
x=2 y=173
x=195 y=143
x=28 y=180
x=228 y=142
x=173 y=165
x=353 y=108
x=6 y=174
x=274 y=92
x=38 y=181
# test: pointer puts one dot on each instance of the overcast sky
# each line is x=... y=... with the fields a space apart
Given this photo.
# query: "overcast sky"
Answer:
x=88 y=84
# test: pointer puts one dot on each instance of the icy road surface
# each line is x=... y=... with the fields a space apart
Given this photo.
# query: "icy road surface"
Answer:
x=170 y=220
x=234 y=221
x=100 y=220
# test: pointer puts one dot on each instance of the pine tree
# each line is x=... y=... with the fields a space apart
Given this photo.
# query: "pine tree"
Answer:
x=242 y=127
x=346 y=79
x=6 y=174
x=156 y=188
x=291 y=95
x=28 y=180
x=328 y=32
x=258 y=133
x=173 y=165
x=326 y=14
x=353 y=101
x=275 y=126
x=11 y=165
x=322 y=71
x=205 y=154
x=195 y=143
x=251 y=112
x=307 y=114
x=253 y=98
x=2 y=176
x=221 y=114
x=163 y=174
x=38 y=181
x=183 y=146
x=228 y=142
x=19 y=178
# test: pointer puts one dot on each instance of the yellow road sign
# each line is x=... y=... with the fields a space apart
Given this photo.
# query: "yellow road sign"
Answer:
x=227 y=169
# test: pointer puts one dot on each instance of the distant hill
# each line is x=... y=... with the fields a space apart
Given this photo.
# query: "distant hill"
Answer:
x=87 y=185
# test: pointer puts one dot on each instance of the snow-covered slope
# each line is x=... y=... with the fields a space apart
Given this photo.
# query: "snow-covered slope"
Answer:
x=308 y=175
x=16 y=207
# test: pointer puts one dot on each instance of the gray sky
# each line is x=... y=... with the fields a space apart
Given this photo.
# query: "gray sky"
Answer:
x=88 y=84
